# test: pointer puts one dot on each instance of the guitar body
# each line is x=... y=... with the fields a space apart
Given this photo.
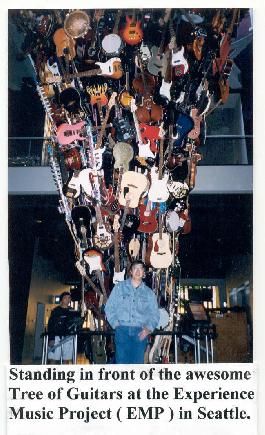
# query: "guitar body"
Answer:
x=179 y=63
x=112 y=68
x=178 y=189
x=97 y=94
x=150 y=133
x=72 y=159
x=82 y=215
x=68 y=133
x=195 y=132
x=94 y=260
x=103 y=239
x=125 y=99
x=62 y=42
x=134 y=183
x=134 y=248
x=72 y=187
x=98 y=344
x=123 y=154
x=155 y=63
x=148 y=222
x=161 y=256
x=118 y=276
x=158 y=191
x=174 y=223
x=132 y=34
x=84 y=180
x=164 y=90
x=130 y=226
x=183 y=125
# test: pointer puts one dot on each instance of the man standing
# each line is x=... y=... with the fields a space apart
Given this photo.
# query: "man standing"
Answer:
x=132 y=311
x=57 y=330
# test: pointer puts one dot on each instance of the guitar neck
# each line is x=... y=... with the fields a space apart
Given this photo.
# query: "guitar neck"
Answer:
x=116 y=252
x=160 y=226
x=137 y=128
x=89 y=73
x=160 y=166
x=102 y=286
x=116 y=25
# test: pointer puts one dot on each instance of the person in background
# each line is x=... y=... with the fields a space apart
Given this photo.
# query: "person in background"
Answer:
x=132 y=310
x=57 y=331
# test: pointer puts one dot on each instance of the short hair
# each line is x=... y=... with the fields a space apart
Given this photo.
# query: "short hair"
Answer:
x=137 y=262
x=63 y=295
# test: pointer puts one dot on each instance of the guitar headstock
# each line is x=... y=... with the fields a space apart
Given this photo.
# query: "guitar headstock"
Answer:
x=112 y=100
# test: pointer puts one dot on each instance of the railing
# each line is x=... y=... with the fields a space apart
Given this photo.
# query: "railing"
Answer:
x=217 y=150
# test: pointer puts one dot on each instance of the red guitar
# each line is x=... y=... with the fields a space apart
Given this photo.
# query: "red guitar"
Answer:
x=68 y=133
x=150 y=133
x=148 y=222
x=132 y=33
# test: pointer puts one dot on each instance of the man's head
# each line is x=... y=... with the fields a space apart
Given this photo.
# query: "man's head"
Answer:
x=65 y=299
x=137 y=270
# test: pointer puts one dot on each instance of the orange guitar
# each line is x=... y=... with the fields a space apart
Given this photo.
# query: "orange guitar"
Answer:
x=132 y=33
x=64 y=43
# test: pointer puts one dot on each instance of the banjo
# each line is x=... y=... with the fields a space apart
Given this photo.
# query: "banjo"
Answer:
x=112 y=44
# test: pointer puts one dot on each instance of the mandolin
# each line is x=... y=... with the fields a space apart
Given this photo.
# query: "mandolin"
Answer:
x=132 y=33
x=161 y=256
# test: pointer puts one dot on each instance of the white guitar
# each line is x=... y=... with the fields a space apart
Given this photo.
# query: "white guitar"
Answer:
x=158 y=191
x=112 y=68
x=103 y=238
x=161 y=256
x=118 y=273
x=144 y=148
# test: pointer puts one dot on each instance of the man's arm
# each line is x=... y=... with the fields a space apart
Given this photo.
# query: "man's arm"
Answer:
x=111 y=307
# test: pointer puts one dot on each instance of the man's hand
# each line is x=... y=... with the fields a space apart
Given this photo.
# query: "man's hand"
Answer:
x=144 y=333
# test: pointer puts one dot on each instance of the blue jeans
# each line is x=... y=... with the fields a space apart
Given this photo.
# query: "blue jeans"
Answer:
x=129 y=348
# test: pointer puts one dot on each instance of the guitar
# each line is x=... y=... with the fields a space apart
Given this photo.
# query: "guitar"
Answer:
x=72 y=159
x=161 y=256
x=129 y=222
x=178 y=61
x=225 y=46
x=64 y=43
x=103 y=238
x=112 y=68
x=165 y=87
x=155 y=63
x=134 y=183
x=118 y=274
x=94 y=259
x=174 y=222
x=178 y=189
x=134 y=248
x=125 y=97
x=148 y=222
x=123 y=154
x=68 y=133
x=132 y=33
x=97 y=93
x=83 y=218
x=144 y=148
x=158 y=191
x=150 y=135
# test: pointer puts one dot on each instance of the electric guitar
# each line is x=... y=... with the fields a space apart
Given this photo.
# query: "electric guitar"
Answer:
x=94 y=259
x=144 y=148
x=118 y=273
x=68 y=133
x=103 y=238
x=132 y=33
x=158 y=191
x=155 y=63
x=112 y=68
x=161 y=256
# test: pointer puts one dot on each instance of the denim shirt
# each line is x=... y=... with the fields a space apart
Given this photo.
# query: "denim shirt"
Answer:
x=130 y=306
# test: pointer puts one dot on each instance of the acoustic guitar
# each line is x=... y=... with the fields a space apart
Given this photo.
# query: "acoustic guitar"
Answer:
x=161 y=256
x=134 y=183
